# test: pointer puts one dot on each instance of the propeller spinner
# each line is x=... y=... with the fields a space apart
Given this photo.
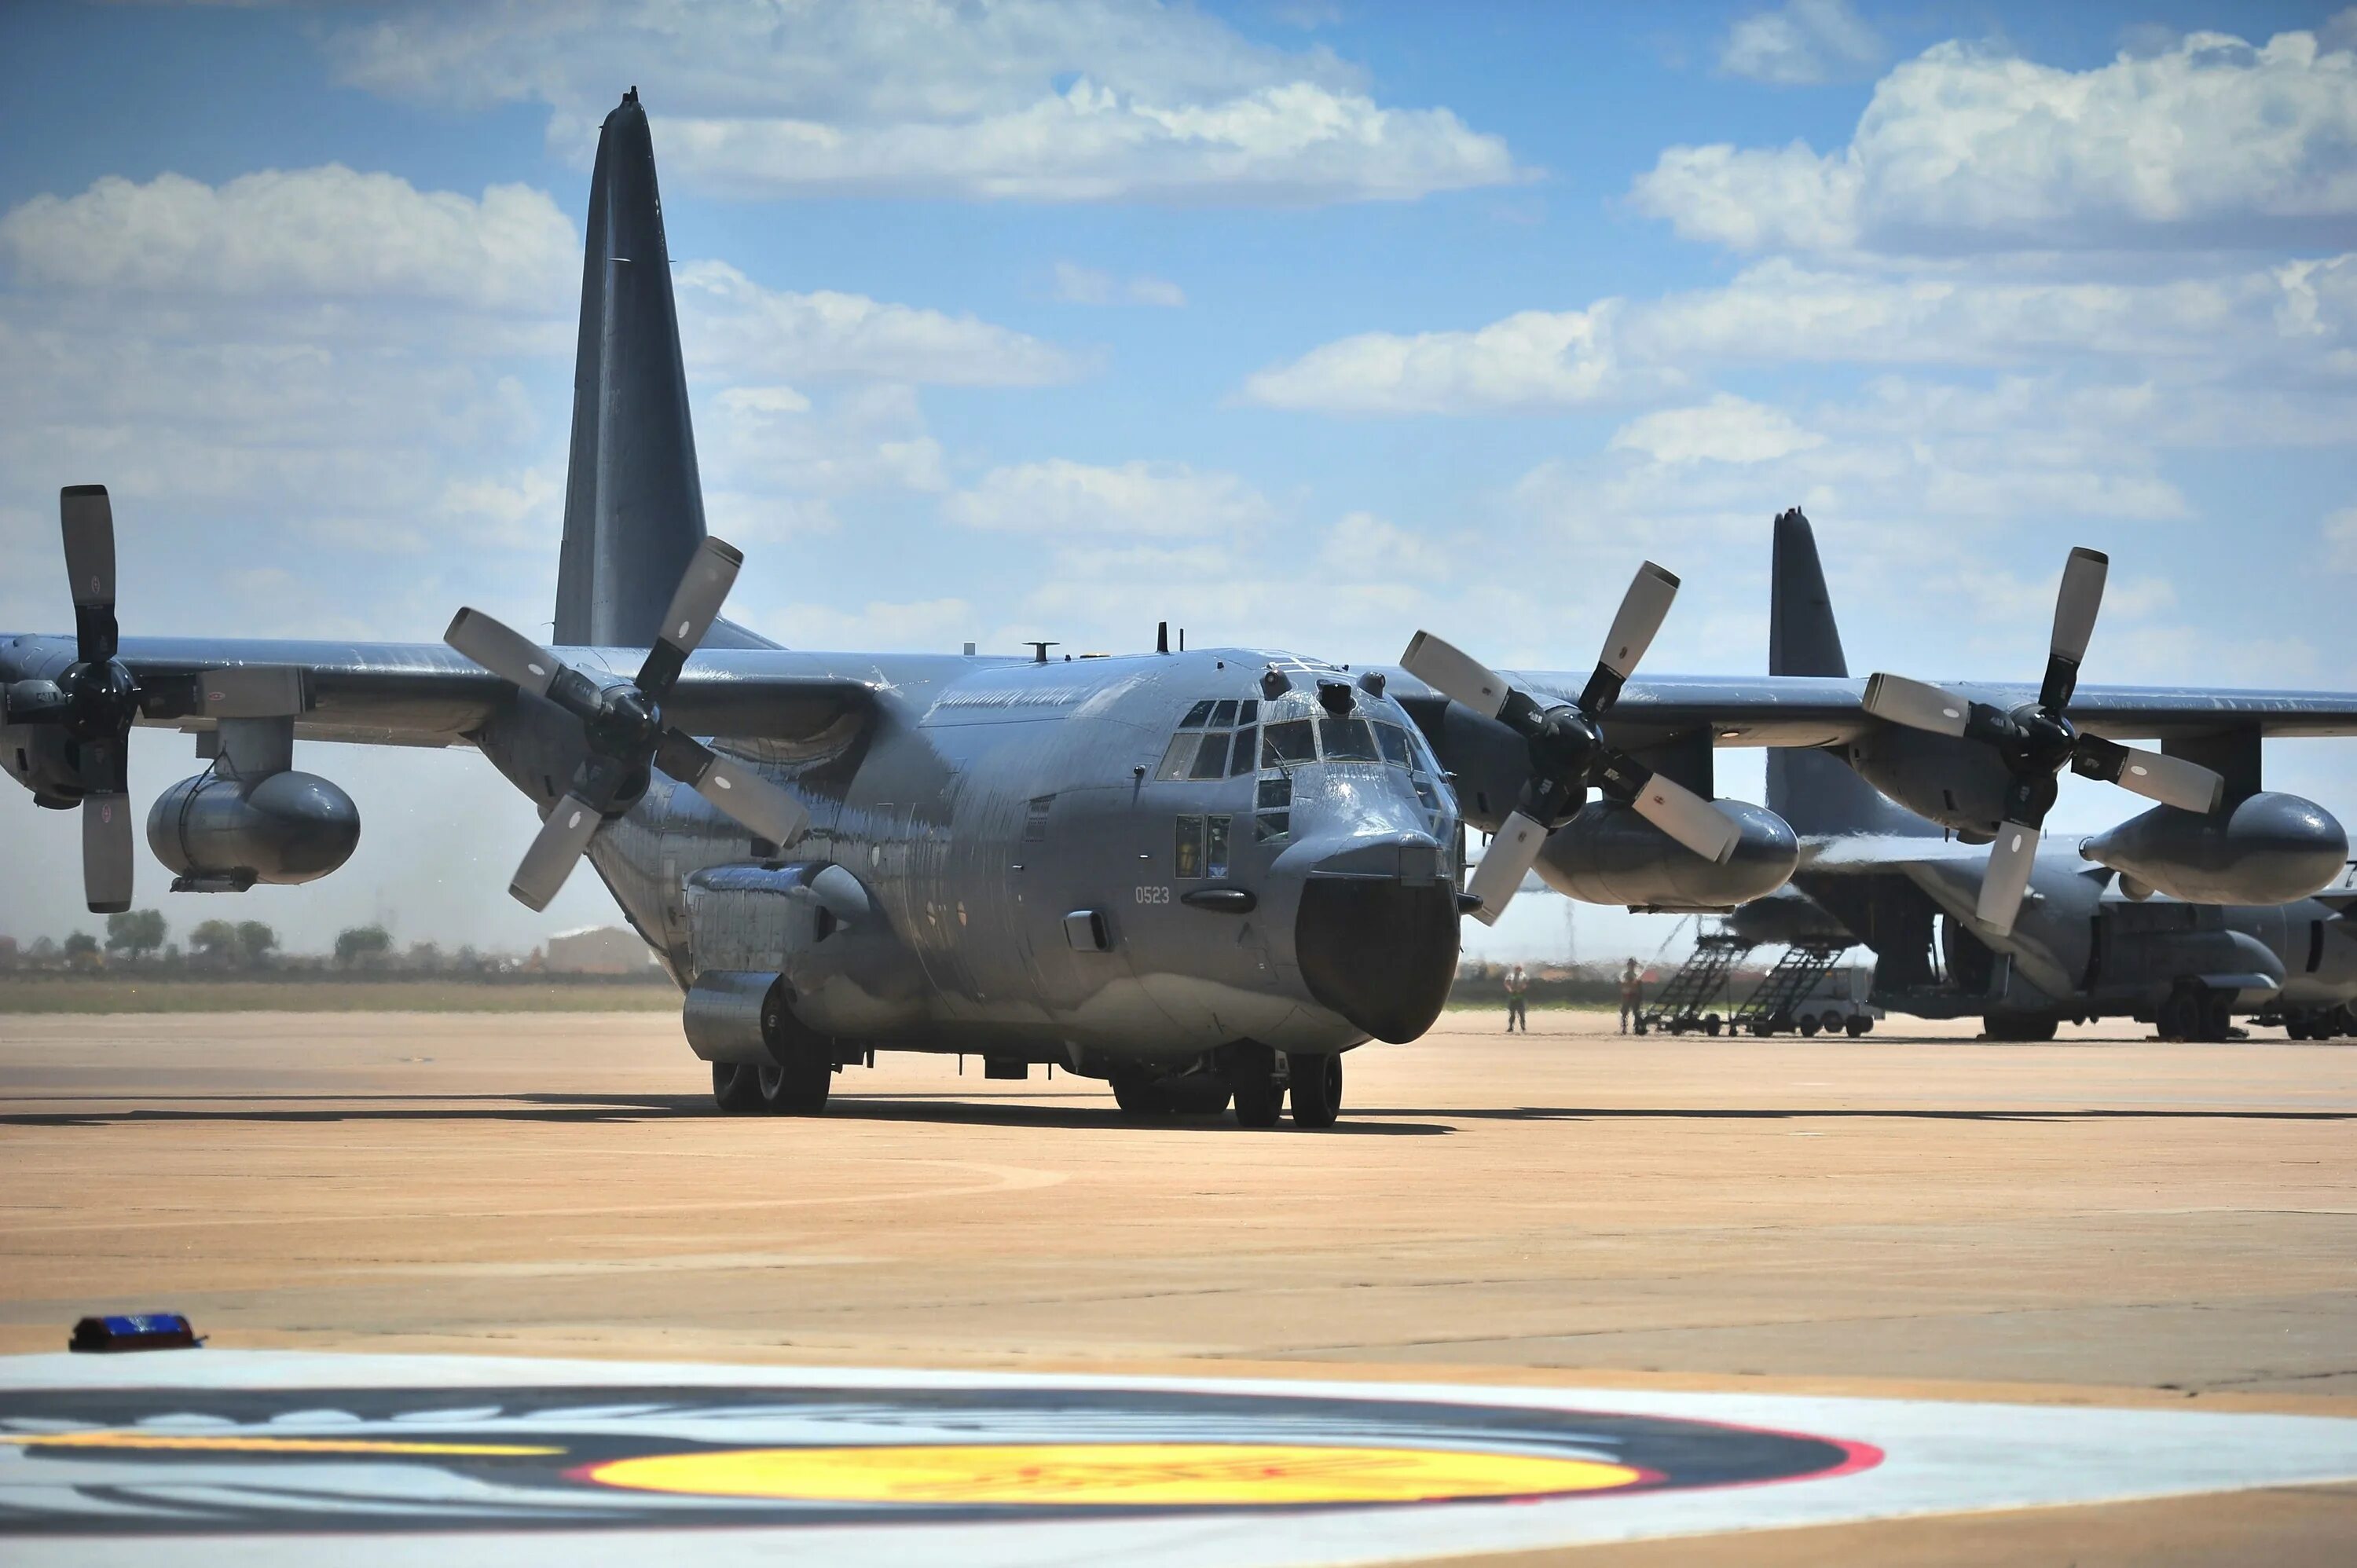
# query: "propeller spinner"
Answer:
x=1568 y=749
x=2037 y=738
x=624 y=728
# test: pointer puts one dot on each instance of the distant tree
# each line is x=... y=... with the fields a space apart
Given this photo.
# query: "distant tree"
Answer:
x=215 y=941
x=424 y=956
x=135 y=933
x=255 y=943
x=80 y=948
x=362 y=944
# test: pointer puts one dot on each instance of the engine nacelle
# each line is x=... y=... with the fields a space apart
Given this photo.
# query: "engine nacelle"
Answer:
x=1957 y=783
x=2268 y=849
x=1609 y=855
x=220 y=834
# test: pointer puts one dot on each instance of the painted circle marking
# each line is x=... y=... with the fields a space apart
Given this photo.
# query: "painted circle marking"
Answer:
x=1133 y=1475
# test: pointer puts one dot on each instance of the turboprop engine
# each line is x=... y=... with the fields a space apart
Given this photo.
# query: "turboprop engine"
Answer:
x=2266 y=849
x=1609 y=855
x=221 y=833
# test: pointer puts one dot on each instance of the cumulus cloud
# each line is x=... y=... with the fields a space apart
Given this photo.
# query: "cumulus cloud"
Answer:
x=2341 y=540
x=2211 y=142
x=1531 y=359
x=1103 y=100
x=1727 y=429
x=736 y=328
x=1801 y=44
x=1061 y=497
x=324 y=234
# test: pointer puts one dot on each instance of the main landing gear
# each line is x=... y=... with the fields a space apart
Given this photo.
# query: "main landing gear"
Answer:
x=1315 y=1083
x=2195 y=1013
x=798 y=1088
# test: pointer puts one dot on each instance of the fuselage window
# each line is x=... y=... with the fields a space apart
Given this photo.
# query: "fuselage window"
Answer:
x=1275 y=792
x=1283 y=744
x=1190 y=847
x=1272 y=827
x=1215 y=846
x=1346 y=740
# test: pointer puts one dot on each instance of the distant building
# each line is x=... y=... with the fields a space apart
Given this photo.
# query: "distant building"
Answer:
x=598 y=950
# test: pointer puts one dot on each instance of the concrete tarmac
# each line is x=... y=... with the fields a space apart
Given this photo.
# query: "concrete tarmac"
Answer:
x=2103 y=1220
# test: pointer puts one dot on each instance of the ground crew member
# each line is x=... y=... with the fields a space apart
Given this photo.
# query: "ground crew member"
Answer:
x=1632 y=999
x=1517 y=983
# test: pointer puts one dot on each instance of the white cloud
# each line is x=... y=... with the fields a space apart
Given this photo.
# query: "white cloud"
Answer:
x=1094 y=100
x=1727 y=429
x=1534 y=359
x=321 y=233
x=2212 y=143
x=2341 y=540
x=1079 y=500
x=735 y=327
x=1077 y=285
x=1802 y=43
x=1361 y=546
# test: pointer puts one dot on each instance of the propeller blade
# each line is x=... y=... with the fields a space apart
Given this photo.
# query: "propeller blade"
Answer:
x=2076 y=606
x=1643 y=609
x=541 y=874
x=695 y=605
x=2172 y=780
x=734 y=786
x=2011 y=859
x=107 y=865
x=1512 y=851
x=1688 y=818
x=87 y=521
x=1916 y=703
x=505 y=652
x=1455 y=675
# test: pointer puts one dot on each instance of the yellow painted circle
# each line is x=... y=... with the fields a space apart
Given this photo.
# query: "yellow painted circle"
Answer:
x=1125 y=1474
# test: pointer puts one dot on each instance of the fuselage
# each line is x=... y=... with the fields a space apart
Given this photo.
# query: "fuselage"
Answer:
x=1097 y=861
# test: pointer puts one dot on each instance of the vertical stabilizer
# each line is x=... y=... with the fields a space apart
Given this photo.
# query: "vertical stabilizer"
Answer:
x=1815 y=791
x=633 y=506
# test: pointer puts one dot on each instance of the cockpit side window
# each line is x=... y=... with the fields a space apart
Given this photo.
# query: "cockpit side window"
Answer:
x=1394 y=740
x=1287 y=742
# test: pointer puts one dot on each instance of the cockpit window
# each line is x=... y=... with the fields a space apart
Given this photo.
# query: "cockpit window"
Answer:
x=1246 y=754
x=1346 y=740
x=1197 y=716
x=1394 y=740
x=1223 y=715
x=1284 y=744
x=1212 y=755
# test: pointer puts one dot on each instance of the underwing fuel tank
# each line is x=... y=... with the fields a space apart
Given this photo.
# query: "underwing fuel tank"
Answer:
x=1609 y=855
x=222 y=833
x=2268 y=849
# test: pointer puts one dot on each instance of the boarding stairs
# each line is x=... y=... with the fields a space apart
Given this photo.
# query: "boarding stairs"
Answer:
x=1769 y=1010
x=1680 y=1005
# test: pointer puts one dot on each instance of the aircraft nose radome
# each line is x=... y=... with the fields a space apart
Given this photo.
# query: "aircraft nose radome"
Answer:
x=1378 y=951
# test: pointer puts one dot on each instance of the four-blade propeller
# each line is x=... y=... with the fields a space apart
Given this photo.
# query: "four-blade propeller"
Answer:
x=2037 y=739
x=1567 y=748
x=625 y=727
x=95 y=700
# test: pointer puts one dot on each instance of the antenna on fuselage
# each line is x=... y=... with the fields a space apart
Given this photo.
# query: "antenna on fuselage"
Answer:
x=1039 y=650
x=1162 y=636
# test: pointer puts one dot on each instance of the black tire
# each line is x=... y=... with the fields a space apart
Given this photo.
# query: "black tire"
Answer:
x=2177 y=1017
x=2217 y=1017
x=1140 y=1098
x=1710 y=1023
x=1260 y=1101
x=1197 y=1094
x=736 y=1088
x=1857 y=1024
x=1809 y=1026
x=796 y=1088
x=2295 y=1027
x=2339 y=1024
x=1317 y=1091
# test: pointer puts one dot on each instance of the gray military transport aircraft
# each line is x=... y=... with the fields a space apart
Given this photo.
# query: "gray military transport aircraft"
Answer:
x=1201 y=876
x=2091 y=939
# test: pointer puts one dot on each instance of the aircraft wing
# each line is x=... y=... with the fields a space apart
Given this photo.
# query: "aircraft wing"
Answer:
x=412 y=693
x=1813 y=710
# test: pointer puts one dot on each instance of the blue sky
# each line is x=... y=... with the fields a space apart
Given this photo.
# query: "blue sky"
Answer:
x=1299 y=325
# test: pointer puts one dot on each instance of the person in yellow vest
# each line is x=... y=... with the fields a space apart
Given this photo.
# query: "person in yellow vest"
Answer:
x=1517 y=983
x=1632 y=999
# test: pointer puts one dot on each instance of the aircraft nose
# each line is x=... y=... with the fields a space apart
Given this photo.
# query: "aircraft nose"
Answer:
x=1378 y=945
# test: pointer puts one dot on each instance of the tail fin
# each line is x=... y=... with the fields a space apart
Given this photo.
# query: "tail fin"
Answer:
x=633 y=505
x=1815 y=791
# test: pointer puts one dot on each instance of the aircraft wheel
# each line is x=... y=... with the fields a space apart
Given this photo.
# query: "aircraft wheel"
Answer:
x=1140 y=1097
x=1710 y=1021
x=798 y=1088
x=1316 y=1090
x=736 y=1088
x=1197 y=1094
x=2295 y=1027
x=1259 y=1101
x=1857 y=1024
x=2179 y=1018
x=2215 y=1017
x=1809 y=1026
